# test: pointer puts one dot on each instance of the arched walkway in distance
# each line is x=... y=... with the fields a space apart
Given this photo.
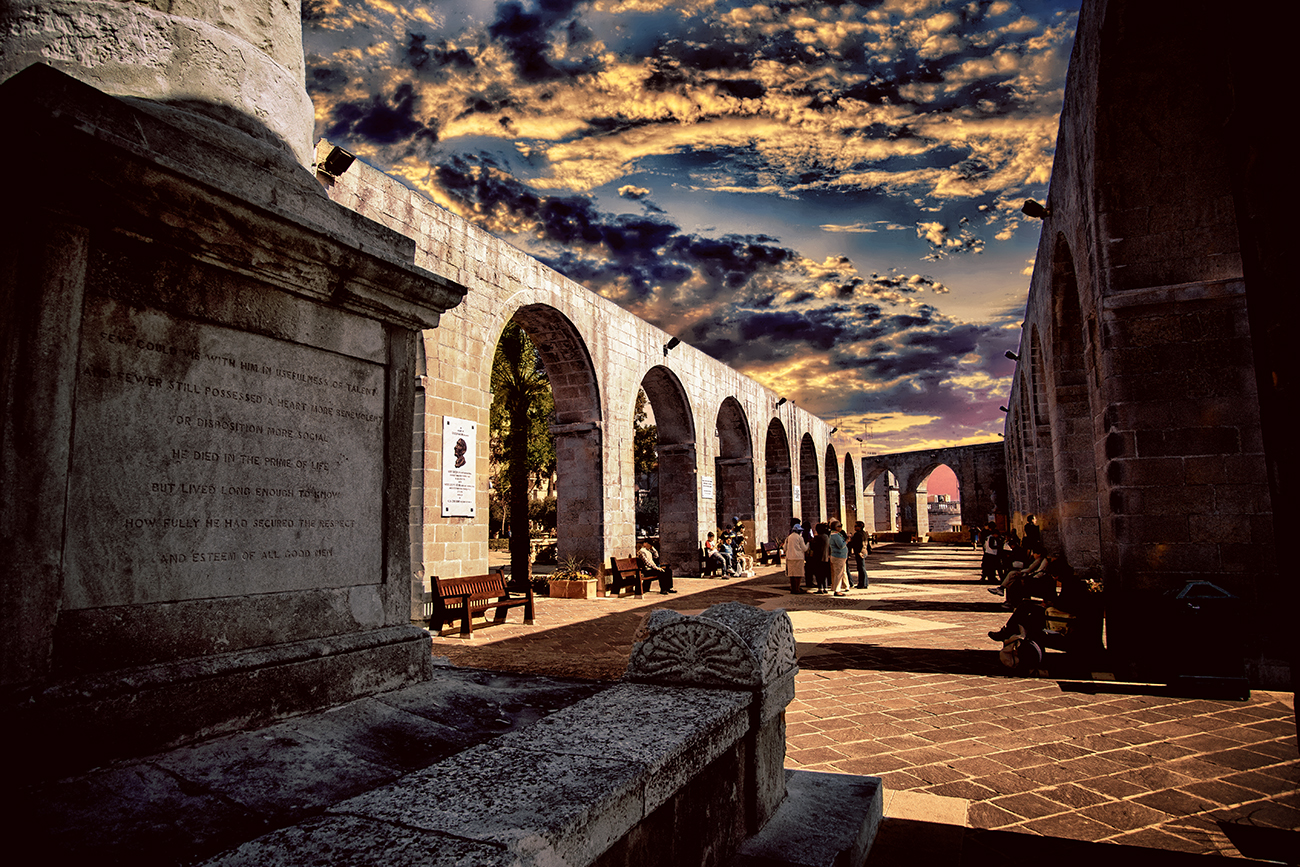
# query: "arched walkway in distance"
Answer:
x=780 y=493
x=810 y=500
x=833 y=505
x=678 y=503
x=735 y=467
x=850 y=495
x=578 y=488
x=981 y=476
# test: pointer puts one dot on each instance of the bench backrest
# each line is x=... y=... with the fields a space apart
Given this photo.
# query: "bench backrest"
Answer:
x=491 y=586
x=626 y=565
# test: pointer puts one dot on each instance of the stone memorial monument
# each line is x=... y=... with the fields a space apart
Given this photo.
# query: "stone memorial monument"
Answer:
x=207 y=382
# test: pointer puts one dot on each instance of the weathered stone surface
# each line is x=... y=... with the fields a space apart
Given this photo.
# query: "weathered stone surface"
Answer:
x=731 y=645
x=829 y=820
x=226 y=60
x=357 y=840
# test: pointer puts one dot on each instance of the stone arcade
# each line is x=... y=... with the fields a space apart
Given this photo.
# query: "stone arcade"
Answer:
x=1148 y=427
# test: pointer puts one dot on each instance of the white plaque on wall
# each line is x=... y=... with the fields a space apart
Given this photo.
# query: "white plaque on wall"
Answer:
x=458 y=489
x=796 y=494
x=706 y=487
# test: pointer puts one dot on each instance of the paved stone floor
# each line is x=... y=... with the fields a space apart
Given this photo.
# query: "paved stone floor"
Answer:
x=901 y=681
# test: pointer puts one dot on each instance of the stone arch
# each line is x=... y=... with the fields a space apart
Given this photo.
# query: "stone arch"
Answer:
x=579 y=489
x=833 y=505
x=1077 y=525
x=780 y=493
x=678 y=485
x=810 y=511
x=884 y=487
x=735 y=466
x=1041 y=455
x=850 y=493
x=916 y=506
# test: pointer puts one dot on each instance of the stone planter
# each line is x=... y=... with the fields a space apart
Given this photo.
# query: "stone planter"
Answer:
x=578 y=589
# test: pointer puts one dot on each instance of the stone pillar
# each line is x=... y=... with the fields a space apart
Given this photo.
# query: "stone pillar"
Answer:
x=209 y=64
x=730 y=646
x=681 y=526
x=578 y=447
x=886 y=497
x=736 y=487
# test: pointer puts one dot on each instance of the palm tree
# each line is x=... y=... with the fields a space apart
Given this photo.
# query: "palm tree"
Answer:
x=522 y=407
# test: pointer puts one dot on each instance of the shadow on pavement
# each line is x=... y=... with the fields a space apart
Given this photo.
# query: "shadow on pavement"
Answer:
x=906 y=843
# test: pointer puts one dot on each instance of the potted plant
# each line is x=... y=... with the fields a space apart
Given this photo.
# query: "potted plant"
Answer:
x=572 y=580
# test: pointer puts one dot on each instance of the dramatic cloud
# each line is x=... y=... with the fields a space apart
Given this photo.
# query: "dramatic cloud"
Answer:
x=747 y=141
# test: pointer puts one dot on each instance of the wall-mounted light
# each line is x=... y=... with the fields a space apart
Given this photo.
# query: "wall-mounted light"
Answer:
x=1004 y=409
x=671 y=344
x=1012 y=355
x=338 y=162
x=1032 y=209
x=834 y=429
x=779 y=402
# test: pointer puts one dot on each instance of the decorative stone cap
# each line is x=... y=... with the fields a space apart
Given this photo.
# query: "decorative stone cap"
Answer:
x=730 y=645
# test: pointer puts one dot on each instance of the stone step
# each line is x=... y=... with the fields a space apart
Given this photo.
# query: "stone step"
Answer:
x=826 y=820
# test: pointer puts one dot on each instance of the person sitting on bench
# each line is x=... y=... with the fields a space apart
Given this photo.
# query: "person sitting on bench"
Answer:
x=652 y=571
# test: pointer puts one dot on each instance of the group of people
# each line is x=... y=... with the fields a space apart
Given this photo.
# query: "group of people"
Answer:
x=1042 y=590
x=816 y=558
x=725 y=551
x=1003 y=551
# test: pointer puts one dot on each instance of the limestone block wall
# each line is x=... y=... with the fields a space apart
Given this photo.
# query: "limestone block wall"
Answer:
x=1135 y=427
x=715 y=424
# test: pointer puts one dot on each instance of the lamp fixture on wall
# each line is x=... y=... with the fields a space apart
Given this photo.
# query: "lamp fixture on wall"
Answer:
x=834 y=429
x=1012 y=355
x=779 y=402
x=1032 y=209
x=336 y=163
x=1004 y=409
x=671 y=344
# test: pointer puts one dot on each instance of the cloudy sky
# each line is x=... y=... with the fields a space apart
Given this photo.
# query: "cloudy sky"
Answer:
x=824 y=195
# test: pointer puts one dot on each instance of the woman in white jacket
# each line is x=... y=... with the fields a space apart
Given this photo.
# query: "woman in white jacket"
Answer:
x=795 y=547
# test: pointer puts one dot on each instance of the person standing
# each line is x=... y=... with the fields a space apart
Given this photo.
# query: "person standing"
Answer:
x=857 y=543
x=839 y=556
x=991 y=564
x=795 y=548
x=819 y=557
x=1033 y=539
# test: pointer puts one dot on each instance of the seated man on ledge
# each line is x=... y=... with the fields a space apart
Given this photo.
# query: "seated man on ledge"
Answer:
x=650 y=570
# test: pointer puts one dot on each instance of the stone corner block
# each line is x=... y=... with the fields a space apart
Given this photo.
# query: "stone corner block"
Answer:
x=731 y=645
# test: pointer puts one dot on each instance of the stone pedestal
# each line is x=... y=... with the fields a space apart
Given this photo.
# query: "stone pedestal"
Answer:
x=207 y=399
x=730 y=646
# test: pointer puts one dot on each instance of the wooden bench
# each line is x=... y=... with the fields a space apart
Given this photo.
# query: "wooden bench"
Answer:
x=462 y=598
x=769 y=553
x=625 y=572
x=707 y=569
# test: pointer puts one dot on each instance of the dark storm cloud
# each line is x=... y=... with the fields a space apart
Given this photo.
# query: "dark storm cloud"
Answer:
x=439 y=58
x=384 y=121
x=639 y=254
x=525 y=31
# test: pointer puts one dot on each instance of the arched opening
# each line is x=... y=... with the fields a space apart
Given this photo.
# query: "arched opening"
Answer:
x=940 y=491
x=735 y=469
x=579 y=489
x=1075 y=525
x=810 y=501
x=678 y=484
x=832 y=485
x=780 y=492
x=850 y=494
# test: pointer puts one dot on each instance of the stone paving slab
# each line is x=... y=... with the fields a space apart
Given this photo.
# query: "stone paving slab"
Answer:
x=901 y=681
